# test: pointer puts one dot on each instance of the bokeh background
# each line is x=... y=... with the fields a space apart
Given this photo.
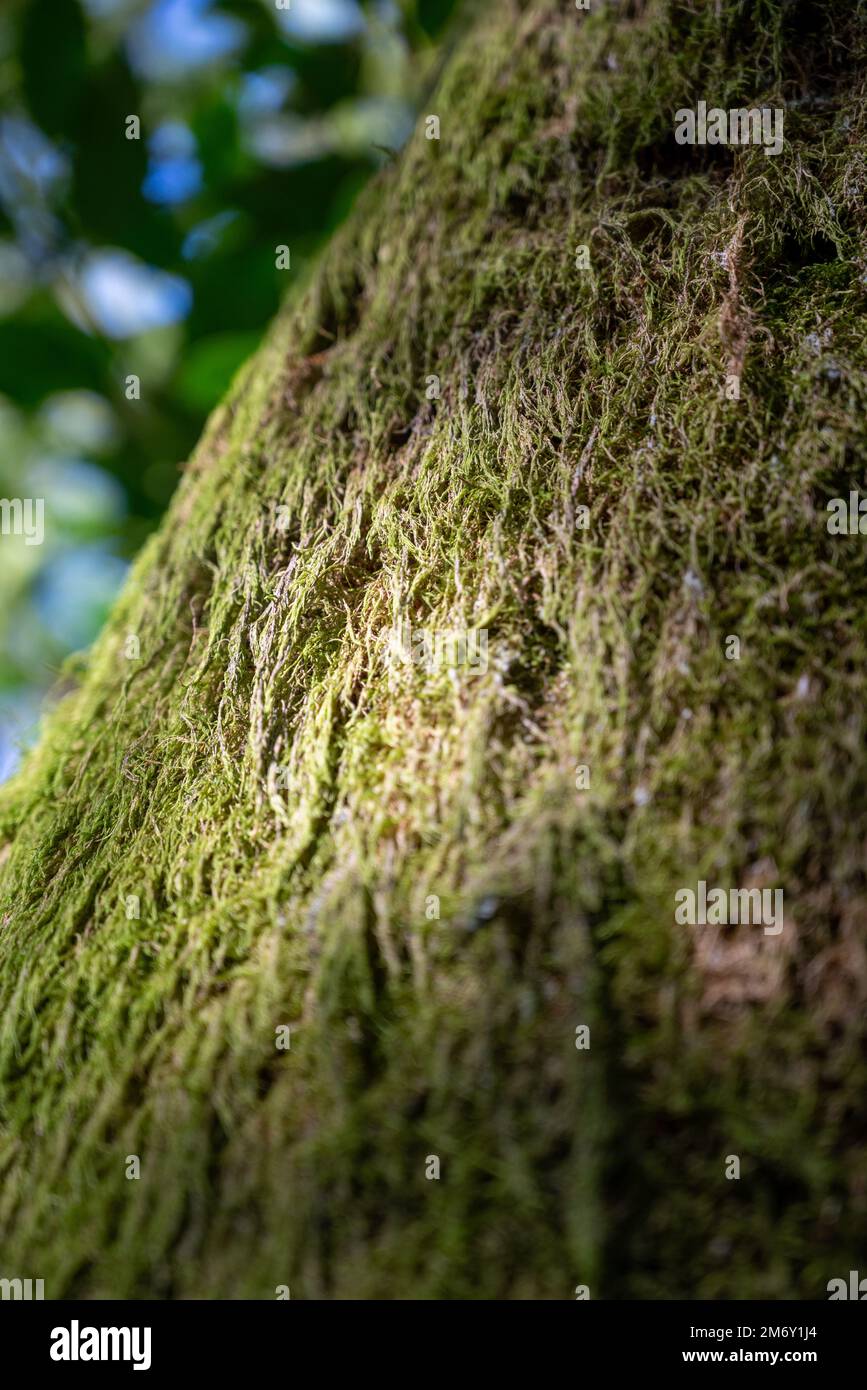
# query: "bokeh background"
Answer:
x=156 y=257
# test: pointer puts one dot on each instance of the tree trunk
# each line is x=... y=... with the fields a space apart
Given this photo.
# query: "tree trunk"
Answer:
x=497 y=607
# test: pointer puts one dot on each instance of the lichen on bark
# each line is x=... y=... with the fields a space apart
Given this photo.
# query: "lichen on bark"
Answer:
x=283 y=801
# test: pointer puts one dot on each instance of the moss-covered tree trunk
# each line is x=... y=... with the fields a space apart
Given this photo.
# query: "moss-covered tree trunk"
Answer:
x=262 y=815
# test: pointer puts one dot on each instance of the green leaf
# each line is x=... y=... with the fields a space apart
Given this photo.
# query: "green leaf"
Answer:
x=39 y=357
x=109 y=169
x=53 y=60
x=209 y=366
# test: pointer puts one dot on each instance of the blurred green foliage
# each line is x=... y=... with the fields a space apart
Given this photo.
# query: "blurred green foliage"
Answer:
x=155 y=256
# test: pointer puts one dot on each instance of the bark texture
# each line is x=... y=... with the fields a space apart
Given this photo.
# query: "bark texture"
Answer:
x=286 y=807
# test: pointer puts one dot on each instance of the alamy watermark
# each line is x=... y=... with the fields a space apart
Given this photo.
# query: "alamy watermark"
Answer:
x=434 y=649
x=22 y=1289
x=847 y=516
x=718 y=908
x=740 y=126
x=23 y=517
x=855 y=1289
x=77 y=1343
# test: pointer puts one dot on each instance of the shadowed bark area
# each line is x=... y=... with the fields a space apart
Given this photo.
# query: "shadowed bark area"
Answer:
x=268 y=819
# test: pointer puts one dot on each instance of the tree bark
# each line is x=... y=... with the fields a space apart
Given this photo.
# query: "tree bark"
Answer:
x=435 y=866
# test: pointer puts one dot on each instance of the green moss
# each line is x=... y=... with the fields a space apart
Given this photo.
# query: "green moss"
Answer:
x=328 y=501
